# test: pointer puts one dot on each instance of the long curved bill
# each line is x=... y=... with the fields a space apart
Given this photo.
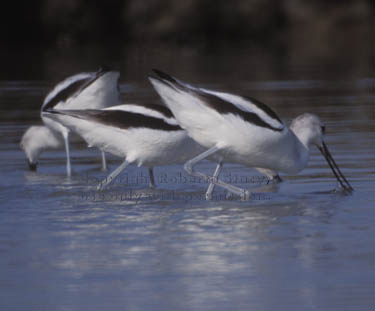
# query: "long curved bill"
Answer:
x=335 y=169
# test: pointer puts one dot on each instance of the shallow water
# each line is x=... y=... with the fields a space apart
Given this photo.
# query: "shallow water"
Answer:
x=294 y=246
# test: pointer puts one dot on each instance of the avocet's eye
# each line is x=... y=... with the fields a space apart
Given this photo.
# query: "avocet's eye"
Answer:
x=323 y=128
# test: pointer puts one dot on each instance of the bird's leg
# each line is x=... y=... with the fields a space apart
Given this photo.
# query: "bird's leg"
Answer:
x=190 y=170
x=68 y=166
x=152 y=179
x=211 y=186
x=111 y=177
x=104 y=162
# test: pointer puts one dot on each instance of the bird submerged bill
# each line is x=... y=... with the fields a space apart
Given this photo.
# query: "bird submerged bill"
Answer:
x=335 y=169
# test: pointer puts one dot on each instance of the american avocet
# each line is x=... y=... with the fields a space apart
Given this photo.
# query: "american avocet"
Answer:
x=143 y=135
x=243 y=130
x=93 y=90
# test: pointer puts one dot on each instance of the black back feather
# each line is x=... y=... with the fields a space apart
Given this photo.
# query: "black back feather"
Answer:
x=120 y=119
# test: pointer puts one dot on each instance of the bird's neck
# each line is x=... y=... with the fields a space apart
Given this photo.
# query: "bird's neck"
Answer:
x=301 y=150
x=303 y=135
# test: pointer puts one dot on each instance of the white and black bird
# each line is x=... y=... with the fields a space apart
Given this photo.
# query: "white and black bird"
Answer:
x=242 y=130
x=86 y=90
x=142 y=135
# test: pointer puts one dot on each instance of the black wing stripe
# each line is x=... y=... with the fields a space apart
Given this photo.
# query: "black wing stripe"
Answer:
x=165 y=76
x=222 y=106
x=102 y=71
x=65 y=93
x=120 y=119
x=225 y=107
x=73 y=89
x=267 y=110
x=159 y=108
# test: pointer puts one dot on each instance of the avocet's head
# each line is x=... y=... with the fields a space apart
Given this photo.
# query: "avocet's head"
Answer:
x=310 y=131
x=35 y=140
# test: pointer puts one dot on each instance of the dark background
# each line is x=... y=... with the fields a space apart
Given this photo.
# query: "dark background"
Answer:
x=88 y=32
x=69 y=22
